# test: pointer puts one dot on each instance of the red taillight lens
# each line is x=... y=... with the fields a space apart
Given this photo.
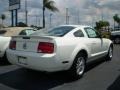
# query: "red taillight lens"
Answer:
x=12 y=45
x=45 y=47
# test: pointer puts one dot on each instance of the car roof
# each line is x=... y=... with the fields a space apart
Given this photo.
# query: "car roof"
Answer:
x=80 y=26
x=115 y=31
x=14 y=31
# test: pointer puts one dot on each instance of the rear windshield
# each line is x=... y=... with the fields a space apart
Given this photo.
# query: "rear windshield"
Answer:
x=58 y=32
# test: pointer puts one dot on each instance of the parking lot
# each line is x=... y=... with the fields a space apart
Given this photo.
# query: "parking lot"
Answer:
x=100 y=75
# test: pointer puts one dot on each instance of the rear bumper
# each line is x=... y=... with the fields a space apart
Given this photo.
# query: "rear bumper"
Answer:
x=114 y=37
x=37 y=61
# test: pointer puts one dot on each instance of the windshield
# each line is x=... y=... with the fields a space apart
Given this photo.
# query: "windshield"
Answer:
x=58 y=32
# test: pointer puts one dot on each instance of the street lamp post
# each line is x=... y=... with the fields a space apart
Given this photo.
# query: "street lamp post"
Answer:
x=50 y=19
x=26 y=12
x=102 y=17
x=37 y=19
x=68 y=19
x=78 y=18
x=67 y=16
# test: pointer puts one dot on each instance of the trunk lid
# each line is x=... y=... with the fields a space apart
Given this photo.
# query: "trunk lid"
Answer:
x=30 y=43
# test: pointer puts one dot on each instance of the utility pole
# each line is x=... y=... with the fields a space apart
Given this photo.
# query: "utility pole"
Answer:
x=16 y=18
x=66 y=15
x=78 y=18
x=93 y=21
x=37 y=21
x=114 y=24
x=50 y=19
x=68 y=19
x=102 y=14
x=12 y=18
x=26 y=13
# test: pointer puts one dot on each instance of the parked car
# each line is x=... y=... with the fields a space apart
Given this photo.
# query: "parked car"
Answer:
x=5 y=37
x=67 y=47
x=115 y=36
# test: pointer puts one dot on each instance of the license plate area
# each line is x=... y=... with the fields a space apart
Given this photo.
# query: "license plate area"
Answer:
x=22 y=60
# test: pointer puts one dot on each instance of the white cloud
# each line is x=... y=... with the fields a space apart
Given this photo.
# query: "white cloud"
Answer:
x=88 y=11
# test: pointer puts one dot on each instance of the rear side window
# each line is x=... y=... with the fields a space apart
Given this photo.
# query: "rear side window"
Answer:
x=78 y=33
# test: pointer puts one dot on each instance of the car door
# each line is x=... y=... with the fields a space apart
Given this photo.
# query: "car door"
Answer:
x=95 y=42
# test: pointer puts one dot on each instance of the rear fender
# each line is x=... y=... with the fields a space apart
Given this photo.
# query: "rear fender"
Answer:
x=77 y=50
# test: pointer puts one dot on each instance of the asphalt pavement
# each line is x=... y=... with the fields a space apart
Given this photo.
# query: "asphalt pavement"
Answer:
x=100 y=75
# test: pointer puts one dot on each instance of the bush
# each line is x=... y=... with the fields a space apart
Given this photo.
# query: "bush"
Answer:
x=106 y=34
x=21 y=24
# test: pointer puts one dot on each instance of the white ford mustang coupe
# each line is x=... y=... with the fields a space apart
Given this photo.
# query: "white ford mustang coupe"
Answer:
x=67 y=47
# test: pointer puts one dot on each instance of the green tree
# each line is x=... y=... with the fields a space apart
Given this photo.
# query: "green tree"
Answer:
x=3 y=17
x=48 y=4
x=21 y=24
x=116 y=19
x=103 y=28
x=101 y=24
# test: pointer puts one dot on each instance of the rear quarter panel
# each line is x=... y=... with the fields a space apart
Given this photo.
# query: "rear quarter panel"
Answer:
x=68 y=48
x=4 y=43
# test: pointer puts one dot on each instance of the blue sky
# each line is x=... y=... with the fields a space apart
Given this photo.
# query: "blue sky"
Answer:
x=80 y=11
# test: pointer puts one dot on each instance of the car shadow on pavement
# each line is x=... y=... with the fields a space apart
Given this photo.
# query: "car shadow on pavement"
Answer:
x=95 y=63
x=115 y=85
x=4 y=63
x=23 y=79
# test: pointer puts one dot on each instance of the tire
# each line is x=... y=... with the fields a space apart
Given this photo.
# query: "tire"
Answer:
x=5 y=60
x=117 y=40
x=110 y=54
x=29 y=70
x=78 y=68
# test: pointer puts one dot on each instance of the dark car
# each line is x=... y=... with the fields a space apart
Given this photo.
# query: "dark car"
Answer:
x=115 y=36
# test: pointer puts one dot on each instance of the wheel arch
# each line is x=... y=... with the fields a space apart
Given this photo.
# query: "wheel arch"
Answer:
x=81 y=51
x=84 y=52
x=111 y=45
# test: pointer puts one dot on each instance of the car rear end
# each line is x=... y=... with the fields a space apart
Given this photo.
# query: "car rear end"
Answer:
x=115 y=36
x=34 y=52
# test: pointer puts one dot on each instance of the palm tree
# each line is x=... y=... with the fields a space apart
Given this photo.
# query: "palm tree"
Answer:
x=101 y=24
x=48 y=4
x=116 y=19
x=3 y=17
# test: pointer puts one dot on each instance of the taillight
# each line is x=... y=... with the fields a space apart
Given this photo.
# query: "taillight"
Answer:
x=12 y=45
x=45 y=47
